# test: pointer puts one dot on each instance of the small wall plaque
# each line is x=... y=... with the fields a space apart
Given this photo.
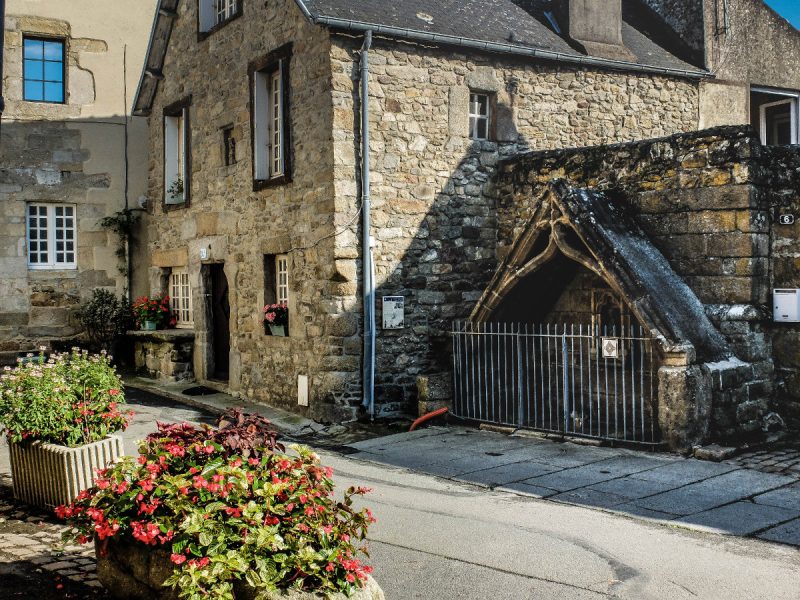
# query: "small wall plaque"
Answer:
x=393 y=312
x=610 y=347
x=786 y=219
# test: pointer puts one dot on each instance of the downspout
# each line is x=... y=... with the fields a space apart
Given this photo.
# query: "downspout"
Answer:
x=367 y=268
x=2 y=46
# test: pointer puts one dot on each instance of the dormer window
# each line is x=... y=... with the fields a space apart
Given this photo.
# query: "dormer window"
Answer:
x=215 y=13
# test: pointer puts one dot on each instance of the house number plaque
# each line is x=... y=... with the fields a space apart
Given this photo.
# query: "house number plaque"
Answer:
x=610 y=347
x=393 y=312
x=786 y=219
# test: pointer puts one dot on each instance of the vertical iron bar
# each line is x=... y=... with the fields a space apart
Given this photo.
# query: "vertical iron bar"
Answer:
x=624 y=395
x=572 y=374
x=605 y=369
x=541 y=371
x=491 y=409
x=549 y=383
x=580 y=372
x=565 y=378
x=473 y=412
x=480 y=339
x=633 y=343
x=597 y=353
x=455 y=367
x=520 y=407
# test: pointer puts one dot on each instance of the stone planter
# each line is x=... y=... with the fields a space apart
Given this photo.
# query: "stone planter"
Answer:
x=277 y=330
x=133 y=571
x=48 y=475
x=149 y=326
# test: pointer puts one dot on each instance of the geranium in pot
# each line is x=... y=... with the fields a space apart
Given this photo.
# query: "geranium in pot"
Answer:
x=59 y=415
x=153 y=313
x=223 y=513
x=276 y=318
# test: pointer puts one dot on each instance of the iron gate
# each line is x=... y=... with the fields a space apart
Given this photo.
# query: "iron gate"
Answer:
x=558 y=378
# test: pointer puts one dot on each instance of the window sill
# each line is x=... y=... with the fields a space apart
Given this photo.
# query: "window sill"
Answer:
x=262 y=184
x=202 y=35
x=175 y=206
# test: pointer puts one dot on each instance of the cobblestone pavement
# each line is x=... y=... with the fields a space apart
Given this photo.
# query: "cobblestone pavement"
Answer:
x=783 y=458
x=33 y=561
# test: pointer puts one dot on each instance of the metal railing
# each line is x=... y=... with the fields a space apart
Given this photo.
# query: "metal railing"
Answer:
x=572 y=379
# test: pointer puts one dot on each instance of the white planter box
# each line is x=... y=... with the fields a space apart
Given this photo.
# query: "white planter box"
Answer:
x=48 y=475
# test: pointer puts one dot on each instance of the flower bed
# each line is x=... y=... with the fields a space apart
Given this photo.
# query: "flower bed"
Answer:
x=229 y=506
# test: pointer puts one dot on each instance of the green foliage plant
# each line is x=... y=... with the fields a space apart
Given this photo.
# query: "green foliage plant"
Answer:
x=104 y=317
x=231 y=505
x=68 y=399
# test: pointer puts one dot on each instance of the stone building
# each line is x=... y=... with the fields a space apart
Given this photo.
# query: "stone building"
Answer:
x=70 y=155
x=258 y=186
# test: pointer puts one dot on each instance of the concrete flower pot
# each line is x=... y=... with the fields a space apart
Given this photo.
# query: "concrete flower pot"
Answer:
x=133 y=571
x=48 y=475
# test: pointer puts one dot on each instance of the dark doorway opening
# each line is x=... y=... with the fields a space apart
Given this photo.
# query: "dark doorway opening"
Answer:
x=220 y=322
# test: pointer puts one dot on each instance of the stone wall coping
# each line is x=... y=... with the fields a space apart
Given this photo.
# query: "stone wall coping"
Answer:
x=163 y=335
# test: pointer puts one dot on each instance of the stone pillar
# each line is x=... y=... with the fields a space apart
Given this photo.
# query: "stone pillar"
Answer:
x=684 y=406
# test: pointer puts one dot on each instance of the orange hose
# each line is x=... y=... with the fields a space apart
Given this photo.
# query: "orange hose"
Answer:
x=428 y=417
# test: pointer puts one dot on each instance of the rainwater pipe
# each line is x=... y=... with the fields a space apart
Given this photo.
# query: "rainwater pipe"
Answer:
x=427 y=417
x=367 y=244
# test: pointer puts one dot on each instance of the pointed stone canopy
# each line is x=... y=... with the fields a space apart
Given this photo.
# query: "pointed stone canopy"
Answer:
x=594 y=230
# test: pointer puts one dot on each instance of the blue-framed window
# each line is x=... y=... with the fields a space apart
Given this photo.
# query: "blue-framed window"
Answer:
x=43 y=70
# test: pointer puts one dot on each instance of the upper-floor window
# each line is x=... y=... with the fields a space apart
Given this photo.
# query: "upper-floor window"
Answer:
x=43 y=70
x=271 y=136
x=479 y=115
x=775 y=116
x=177 y=141
x=51 y=233
x=213 y=13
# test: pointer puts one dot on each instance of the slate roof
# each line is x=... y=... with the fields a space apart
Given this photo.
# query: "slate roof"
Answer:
x=509 y=26
x=516 y=23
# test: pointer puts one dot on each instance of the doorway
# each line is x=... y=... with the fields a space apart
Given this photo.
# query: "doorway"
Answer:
x=220 y=310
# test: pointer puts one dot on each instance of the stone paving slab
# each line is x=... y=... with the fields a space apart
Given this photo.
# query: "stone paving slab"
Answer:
x=527 y=490
x=739 y=518
x=596 y=472
x=496 y=476
x=712 y=492
x=788 y=533
x=785 y=497
x=632 y=488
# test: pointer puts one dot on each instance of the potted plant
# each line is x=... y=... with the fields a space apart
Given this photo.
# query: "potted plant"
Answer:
x=276 y=318
x=223 y=513
x=105 y=317
x=153 y=313
x=60 y=414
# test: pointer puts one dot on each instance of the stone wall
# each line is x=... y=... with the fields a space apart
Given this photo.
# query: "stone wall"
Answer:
x=66 y=153
x=435 y=225
x=709 y=201
x=163 y=355
x=238 y=226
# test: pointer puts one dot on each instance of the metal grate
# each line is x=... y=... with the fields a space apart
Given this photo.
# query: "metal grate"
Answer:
x=572 y=379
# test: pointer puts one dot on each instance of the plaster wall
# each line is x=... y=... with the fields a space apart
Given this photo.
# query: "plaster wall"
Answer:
x=68 y=153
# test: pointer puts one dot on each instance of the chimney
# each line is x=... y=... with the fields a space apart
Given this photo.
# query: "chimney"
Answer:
x=597 y=26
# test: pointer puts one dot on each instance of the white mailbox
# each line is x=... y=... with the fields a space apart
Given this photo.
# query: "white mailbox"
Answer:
x=786 y=305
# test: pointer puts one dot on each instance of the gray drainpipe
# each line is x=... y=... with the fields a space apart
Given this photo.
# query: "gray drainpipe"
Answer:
x=367 y=267
x=2 y=45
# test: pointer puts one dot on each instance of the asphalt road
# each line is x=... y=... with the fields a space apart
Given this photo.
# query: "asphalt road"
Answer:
x=438 y=539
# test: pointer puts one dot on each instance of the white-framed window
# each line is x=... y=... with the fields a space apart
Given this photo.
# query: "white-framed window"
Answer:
x=778 y=119
x=176 y=143
x=282 y=278
x=51 y=236
x=214 y=12
x=180 y=297
x=479 y=115
x=269 y=146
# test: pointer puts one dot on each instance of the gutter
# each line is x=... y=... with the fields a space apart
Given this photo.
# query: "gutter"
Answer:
x=474 y=44
x=367 y=264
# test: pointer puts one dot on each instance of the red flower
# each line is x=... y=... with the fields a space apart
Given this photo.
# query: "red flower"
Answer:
x=178 y=559
x=113 y=392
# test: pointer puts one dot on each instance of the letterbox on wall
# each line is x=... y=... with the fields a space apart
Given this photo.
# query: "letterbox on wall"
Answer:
x=786 y=305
